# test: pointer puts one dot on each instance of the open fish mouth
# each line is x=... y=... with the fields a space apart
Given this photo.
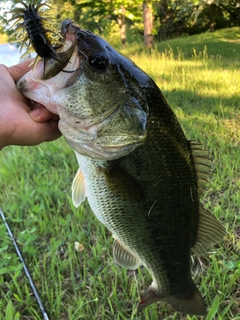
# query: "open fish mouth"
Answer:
x=51 y=66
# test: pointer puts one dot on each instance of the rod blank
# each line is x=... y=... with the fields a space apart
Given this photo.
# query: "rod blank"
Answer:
x=34 y=289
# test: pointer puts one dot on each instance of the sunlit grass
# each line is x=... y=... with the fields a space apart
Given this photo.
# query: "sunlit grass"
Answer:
x=35 y=186
x=222 y=44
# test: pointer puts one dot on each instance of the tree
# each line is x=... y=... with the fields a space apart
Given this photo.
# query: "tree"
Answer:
x=221 y=13
x=172 y=18
x=148 y=23
x=100 y=14
x=182 y=17
x=121 y=19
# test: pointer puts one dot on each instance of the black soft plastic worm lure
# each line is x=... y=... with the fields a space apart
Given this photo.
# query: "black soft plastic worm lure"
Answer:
x=35 y=30
x=32 y=28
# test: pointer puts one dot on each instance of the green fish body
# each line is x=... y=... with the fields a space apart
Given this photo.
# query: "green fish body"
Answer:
x=142 y=177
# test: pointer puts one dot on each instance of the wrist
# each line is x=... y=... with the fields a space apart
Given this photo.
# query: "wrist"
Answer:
x=3 y=136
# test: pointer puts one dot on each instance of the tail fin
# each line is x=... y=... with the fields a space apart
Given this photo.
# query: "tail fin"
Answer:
x=193 y=304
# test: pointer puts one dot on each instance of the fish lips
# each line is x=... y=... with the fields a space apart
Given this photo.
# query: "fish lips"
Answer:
x=87 y=142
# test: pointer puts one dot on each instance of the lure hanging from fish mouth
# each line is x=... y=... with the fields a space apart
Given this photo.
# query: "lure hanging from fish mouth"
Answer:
x=97 y=61
x=52 y=68
x=36 y=31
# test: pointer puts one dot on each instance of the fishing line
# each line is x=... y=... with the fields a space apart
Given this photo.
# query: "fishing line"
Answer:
x=34 y=289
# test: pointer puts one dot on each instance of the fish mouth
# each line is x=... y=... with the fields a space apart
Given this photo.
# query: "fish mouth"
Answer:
x=68 y=27
x=102 y=152
x=88 y=141
x=53 y=65
x=106 y=134
x=44 y=83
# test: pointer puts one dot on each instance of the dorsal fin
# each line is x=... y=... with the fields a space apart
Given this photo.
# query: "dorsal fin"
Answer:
x=202 y=164
x=209 y=229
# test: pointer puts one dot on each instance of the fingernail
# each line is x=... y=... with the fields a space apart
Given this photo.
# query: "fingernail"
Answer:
x=34 y=113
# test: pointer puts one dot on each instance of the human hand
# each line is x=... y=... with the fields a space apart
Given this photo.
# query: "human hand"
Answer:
x=19 y=123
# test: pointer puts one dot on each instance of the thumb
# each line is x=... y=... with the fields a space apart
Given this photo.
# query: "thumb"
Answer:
x=18 y=70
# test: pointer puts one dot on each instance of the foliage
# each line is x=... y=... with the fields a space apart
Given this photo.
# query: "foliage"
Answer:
x=172 y=18
x=98 y=15
x=201 y=82
x=182 y=17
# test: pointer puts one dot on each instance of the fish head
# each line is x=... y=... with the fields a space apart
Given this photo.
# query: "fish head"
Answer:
x=98 y=94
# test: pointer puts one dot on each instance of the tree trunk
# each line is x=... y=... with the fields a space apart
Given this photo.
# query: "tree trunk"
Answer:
x=148 y=23
x=212 y=17
x=122 y=25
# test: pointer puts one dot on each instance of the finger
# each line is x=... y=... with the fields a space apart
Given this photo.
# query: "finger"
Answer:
x=46 y=131
x=53 y=132
x=8 y=90
x=41 y=114
x=18 y=70
x=37 y=133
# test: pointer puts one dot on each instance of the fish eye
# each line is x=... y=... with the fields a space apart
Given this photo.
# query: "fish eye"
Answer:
x=98 y=61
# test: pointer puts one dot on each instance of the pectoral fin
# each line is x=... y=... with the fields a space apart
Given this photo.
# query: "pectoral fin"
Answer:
x=122 y=183
x=123 y=257
x=78 y=189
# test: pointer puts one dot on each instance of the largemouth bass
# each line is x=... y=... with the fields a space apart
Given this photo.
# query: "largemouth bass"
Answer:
x=142 y=177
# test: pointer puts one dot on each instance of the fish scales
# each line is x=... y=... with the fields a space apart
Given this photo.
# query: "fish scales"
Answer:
x=141 y=176
x=164 y=227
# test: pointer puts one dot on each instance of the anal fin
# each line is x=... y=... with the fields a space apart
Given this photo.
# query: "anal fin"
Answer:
x=78 y=189
x=122 y=183
x=123 y=257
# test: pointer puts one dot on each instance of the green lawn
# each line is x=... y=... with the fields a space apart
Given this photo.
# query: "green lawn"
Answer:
x=223 y=44
x=202 y=86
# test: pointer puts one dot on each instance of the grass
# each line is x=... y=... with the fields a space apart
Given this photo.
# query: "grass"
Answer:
x=203 y=89
x=223 y=44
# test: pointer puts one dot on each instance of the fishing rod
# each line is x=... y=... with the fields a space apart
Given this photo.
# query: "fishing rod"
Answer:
x=34 y=289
